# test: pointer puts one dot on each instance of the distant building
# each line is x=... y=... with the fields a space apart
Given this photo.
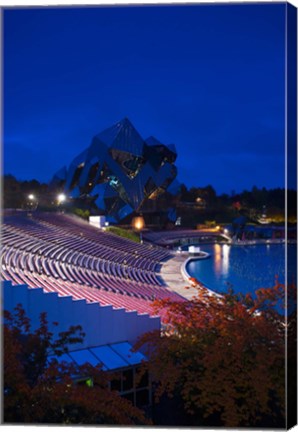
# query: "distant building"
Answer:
x=120 y=171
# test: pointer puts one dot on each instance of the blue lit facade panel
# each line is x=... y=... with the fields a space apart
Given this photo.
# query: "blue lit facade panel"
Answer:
x=84 y=356
x=74 y=171
x=110 y=359
x=174 y=187
x=98 y=192
x=75 y=193
x=124 y=349
x=125 y=211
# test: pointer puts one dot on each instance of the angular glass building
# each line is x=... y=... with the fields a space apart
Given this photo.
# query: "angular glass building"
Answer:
x=120 y=171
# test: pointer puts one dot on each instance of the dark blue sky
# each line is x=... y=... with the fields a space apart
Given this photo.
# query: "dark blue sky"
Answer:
x=209 y=78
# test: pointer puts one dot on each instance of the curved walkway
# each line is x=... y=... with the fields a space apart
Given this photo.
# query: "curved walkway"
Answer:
x=170 y=274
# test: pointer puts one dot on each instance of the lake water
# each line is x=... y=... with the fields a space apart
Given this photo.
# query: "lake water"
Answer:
x=245 y=268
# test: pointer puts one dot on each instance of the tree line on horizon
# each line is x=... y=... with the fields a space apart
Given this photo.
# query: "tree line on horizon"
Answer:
x=219 y=206
x=272 y=201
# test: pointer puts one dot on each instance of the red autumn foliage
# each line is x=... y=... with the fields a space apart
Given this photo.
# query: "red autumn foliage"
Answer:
x=39 y=391
x=223 y=356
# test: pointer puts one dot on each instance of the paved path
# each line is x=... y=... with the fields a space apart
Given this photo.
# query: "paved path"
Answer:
x=170 y=273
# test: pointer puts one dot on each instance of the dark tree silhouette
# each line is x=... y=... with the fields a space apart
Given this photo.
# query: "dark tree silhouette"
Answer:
x=37 y=390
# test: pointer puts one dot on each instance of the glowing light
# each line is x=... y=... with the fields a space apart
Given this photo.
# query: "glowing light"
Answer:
x=138 y=223
x=89 y=382
x=61 y=198
x=31 y=197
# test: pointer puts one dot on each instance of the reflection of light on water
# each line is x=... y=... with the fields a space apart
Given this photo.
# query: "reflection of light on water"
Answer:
x=221 y=260
x=245 y=268
x=217 y=258
x=225 y=259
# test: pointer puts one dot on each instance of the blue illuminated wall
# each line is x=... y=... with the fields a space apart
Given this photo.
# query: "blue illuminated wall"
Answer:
x=101 y=324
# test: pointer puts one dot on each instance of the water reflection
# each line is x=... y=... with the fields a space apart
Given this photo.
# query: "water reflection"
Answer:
x=244 y=268
x=217 y=258
x=221 y=259
x=225 y=259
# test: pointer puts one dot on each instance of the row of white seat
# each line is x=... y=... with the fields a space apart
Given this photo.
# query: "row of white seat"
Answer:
x=89 y=247
x=17 y=259
x=131 y=269
x=75 y=225
x=63 y=254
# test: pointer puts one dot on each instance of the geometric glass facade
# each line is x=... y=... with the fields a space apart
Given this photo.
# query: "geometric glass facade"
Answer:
x=120 y=170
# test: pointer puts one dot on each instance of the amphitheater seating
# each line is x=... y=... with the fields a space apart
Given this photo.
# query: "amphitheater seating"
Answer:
x=64 y=254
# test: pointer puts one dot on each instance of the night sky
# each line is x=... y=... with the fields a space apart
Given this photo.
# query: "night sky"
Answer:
x=208 y=78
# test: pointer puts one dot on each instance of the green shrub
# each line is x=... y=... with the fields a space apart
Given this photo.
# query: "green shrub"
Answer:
x=84 y=214
x=121 y=232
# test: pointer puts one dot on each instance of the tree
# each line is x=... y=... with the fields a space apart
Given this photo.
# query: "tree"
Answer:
x=12 y=194
x=222 y=358
x=40 y=390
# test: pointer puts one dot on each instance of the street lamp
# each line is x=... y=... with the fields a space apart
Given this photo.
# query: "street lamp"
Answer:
x=32 y=202
x=138 y=223
x=61 y=198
